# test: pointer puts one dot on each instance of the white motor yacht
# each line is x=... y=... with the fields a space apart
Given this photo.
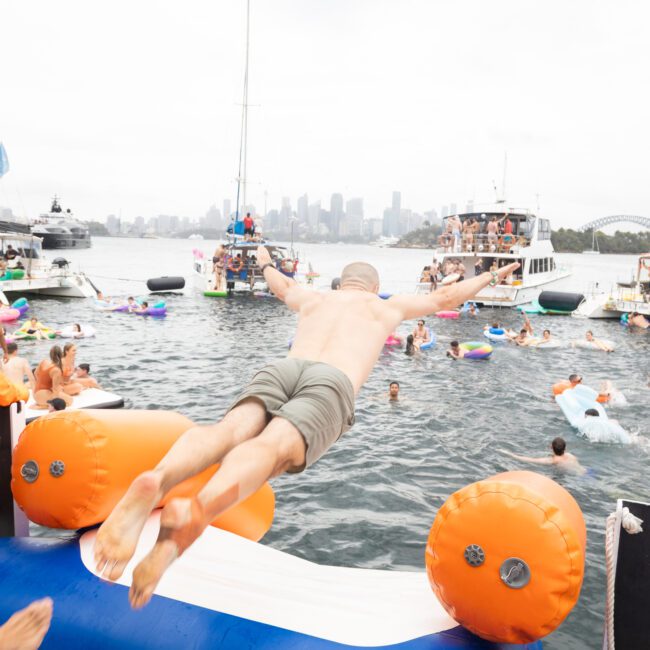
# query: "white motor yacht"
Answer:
x=528 y=243
x=27 y=271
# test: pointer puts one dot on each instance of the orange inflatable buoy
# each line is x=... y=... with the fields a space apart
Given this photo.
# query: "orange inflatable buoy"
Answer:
x=70 y=468
x=561 y=386
x=505 y=556
x=10 y=392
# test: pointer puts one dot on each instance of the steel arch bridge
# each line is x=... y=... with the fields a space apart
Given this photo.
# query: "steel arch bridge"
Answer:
x=617 y=218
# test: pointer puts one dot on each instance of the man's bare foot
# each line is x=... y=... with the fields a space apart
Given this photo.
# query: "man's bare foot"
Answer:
x=181 y=523
x=25 y=629
x=118 y=536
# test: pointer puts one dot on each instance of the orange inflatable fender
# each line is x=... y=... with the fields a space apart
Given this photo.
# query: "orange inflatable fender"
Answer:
x=505 y=556
x=10 y=392
x=561 y=386
x=70 y=468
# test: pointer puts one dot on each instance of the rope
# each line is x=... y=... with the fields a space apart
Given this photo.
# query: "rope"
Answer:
x=110 y=277
x=632 y=525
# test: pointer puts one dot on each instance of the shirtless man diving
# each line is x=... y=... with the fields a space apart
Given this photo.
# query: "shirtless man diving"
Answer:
x=289 y=415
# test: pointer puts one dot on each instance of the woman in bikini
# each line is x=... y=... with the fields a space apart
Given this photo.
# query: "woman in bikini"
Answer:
x=49 y=380
x=68 y=362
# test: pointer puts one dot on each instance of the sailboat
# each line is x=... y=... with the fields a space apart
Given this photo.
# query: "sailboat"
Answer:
x=594 y=245
x=237 y=269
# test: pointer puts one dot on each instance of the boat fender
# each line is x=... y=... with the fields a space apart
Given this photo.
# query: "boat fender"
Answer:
x=505 y=556
x=101 y=452
x=384 y=295
x=166 y=283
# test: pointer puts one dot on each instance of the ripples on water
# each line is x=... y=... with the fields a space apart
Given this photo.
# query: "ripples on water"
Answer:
x=371 y=500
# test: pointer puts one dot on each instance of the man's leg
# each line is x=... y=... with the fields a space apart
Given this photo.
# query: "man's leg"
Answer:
x=243 y=471
x=195 y=450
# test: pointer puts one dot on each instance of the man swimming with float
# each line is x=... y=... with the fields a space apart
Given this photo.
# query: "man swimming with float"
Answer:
x=289 y=415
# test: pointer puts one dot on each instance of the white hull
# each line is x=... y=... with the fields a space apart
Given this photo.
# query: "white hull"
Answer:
x=72 y=285
x=606 y=306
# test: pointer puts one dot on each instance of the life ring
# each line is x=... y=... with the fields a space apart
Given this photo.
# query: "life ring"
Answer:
x=476 y=350
x=235 y=264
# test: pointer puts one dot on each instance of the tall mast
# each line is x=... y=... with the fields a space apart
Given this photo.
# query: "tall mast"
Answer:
x=243 y=140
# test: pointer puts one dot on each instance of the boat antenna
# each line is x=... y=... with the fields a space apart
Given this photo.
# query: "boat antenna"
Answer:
x=503 y=184
x=243 y=137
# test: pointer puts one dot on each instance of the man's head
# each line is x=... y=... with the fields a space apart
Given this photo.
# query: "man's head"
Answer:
x=82 y=370
x=145 y=304
x=56 y=404
x=360 y=275
x=575 y=379
x=393 y=388
x=592 y=413
x=589 y=335
x=12 y=348
x=559 y=446
x=33 y=320
x=547 y=334
x=130 y=299
x=523 y=332
x=454 y=345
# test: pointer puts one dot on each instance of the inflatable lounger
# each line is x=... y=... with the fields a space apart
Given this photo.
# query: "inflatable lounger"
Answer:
x=91 y=398
x=575 y=401
x=230 y=593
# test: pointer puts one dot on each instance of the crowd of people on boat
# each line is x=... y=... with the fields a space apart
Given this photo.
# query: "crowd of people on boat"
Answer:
x=491 y=234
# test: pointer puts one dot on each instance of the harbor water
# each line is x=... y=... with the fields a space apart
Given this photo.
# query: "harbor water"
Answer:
x=371 y=500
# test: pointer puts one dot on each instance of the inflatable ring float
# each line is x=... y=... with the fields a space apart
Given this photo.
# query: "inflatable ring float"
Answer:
x=447 y=314
x=235 y=264
x=476 y=350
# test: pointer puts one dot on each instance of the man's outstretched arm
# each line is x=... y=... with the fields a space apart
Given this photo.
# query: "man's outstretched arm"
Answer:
x=546 y=460
x=280 y=285
x=448 y=297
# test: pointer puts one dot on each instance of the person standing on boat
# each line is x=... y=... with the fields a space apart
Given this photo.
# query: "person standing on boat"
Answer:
x=288 y=416
x=249 y=226
x=492 y=234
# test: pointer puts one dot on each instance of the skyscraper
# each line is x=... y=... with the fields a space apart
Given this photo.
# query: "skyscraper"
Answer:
x=336 y=213
x=397 y=202
x=302 y=209
x=226 y=210
x=353 y=217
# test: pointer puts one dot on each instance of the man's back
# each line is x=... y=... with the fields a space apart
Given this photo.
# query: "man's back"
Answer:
x=346 y=329
x=15 y=369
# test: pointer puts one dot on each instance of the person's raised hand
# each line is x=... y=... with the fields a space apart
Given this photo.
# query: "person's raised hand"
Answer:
x=505 y=271
x=263 y=256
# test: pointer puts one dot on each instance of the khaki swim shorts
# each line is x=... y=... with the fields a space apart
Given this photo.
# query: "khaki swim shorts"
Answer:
x=315 y=397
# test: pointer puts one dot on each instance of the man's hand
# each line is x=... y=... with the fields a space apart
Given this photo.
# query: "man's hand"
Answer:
x=263 y=256
x=505 y=271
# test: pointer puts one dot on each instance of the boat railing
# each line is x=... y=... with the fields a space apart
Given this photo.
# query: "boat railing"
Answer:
x=482 y=243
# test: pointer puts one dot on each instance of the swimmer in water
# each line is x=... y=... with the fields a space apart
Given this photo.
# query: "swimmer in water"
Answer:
x=472 y=309
x=559 y=456
x=288 y=416
x=420 y=335
x=393 y=391
x=411 y=347
x=638 y=320
x=589 y=336
x=455 y=351
x=141 y=308
x=546 y=338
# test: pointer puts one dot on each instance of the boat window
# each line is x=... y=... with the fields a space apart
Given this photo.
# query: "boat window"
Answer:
x=544 y=229
x=552 y=264
x=545 y=265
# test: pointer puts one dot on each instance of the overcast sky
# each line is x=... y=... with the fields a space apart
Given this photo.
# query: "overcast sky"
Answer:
x=132 y=106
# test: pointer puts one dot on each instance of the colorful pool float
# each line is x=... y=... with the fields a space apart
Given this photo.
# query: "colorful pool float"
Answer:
x=476 y=350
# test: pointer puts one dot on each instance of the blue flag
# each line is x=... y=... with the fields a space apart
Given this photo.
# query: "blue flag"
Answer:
x=4 y=161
